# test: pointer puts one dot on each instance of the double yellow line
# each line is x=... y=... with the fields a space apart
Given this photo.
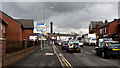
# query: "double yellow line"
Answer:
x=63 y=60
x=66 y=62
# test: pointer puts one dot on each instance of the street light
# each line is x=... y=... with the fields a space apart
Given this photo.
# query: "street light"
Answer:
x=44 y=21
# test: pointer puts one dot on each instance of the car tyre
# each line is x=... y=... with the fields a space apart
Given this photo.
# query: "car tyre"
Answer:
x=104 y=55
x=61 y=48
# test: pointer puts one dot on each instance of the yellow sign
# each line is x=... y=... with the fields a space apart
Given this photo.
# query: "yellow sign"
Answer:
x=42 y=27
x=44 y=33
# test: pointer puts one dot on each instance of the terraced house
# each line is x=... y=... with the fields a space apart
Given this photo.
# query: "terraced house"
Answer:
x=108 y=29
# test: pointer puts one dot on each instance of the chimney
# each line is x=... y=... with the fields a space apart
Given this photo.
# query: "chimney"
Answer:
x=106 y=21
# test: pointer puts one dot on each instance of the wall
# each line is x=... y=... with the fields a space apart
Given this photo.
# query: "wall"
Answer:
x=113 y=28
x=26 y=33
x=13 y=29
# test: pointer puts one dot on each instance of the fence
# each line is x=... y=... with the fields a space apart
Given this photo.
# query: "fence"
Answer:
x=15 y=46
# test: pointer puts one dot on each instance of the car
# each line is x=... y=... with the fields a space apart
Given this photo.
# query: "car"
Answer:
x=81 y=43
x=64 y=45
x=56 y=42
x=73 y=47
x=108 y=48
x=103 y=39
x=59 y=43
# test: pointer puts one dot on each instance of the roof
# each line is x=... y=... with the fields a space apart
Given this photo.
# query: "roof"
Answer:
x=104 y=25
x=95 y=23
x=27 y=23
x=10 y=17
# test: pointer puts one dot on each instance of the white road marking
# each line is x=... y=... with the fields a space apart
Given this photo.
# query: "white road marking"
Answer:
x=87 y=53
x=93 y=50
x=48 y=53
x=104 y=59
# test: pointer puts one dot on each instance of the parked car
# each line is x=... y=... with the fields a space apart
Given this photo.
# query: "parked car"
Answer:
x=108 y=48
x=103 y=39
x=64 y=45
x=73 y=47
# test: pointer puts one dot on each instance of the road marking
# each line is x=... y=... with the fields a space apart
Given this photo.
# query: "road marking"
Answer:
x=58 y=57
x=67 y=62
x=62 y=58
x=48 y=53
x=93 y=50
x=104 y=59
x=87 y=53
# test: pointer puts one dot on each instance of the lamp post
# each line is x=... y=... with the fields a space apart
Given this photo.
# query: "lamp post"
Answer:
x=46 y=23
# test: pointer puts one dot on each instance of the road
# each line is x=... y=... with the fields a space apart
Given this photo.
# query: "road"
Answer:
x=88 y=59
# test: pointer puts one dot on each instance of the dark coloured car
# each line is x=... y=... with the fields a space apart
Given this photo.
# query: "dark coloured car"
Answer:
x=56 y=42
x=73 y=47
x=108 y=48
x=64 y=45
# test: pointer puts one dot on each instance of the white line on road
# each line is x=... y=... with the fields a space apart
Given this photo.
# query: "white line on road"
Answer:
x=87 y=53
x=93 y=50
x=104 y=59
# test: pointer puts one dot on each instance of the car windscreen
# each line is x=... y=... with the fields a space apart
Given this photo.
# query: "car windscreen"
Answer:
x=108 y=39
x=75 y=45
x=113 y=44
x=65 y=43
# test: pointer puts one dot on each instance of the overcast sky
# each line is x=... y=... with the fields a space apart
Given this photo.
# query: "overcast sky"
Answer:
x=66 y=16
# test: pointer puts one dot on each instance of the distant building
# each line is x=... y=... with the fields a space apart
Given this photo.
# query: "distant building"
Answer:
x=94 y=25
x=28 y=26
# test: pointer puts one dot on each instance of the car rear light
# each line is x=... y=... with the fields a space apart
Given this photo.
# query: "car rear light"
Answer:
x=78 y=49
x=63 y=45
x=69 y=49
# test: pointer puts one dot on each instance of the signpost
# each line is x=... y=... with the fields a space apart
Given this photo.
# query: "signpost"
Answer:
x=41 y=27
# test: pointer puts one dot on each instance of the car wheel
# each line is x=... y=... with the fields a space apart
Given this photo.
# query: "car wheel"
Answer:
x=104 y=55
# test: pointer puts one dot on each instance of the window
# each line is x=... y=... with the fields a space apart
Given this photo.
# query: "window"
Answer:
x=105 y=30
x=3 y=28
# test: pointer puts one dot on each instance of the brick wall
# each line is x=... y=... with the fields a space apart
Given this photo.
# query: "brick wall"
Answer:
x=13 y=29
x=113 y=28
x=26 y=33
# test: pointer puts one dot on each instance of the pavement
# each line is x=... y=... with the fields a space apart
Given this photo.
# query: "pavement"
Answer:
x=39 y=59
x=87 y=59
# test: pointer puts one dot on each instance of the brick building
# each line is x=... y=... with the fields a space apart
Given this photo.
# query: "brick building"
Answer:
x=2 y=29
x=13 y=30
x=94 y=25
x=109 y=29
x=28 y=26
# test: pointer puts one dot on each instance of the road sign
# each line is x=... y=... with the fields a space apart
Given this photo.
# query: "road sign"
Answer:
x=41 y=27
x=39 y=34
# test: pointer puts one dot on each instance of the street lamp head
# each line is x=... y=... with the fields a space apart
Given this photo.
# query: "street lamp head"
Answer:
x=51 y=7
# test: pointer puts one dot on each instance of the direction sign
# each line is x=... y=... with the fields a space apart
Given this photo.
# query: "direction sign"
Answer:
x=39 y=34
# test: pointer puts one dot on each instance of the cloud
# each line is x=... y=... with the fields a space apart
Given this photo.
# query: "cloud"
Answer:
x=66 y=16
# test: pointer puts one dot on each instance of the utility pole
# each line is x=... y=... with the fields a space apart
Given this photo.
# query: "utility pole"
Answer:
x=51 y=25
